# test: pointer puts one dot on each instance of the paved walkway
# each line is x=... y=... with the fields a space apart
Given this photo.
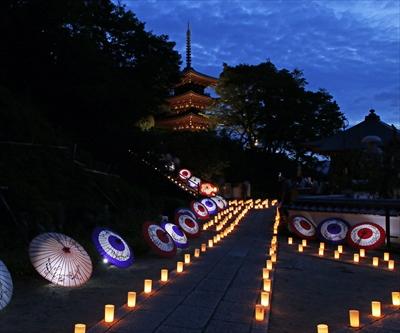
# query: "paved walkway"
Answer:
x=216 y=293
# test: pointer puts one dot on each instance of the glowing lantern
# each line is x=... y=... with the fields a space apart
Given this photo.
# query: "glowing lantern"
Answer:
x=265 y=273
x=320 y=252
x=322 y=328
x=304 y=242
x=362 y=253
x=354 y=317
x=396 y=298
x=208 y=189
x=273 y=257
x=386 y=256
x=179 y=267
x=290 y=240
x=322 y=245
x=80 y=328
x=203 y=247
x=376 y=308
x=265 y=298
x=197 y=253
x=267 y=285
x=148 y=286
x=268 y=264
x=210 y=243
x=164 y=275
x=187 y=258
x=300 y=248
x=337 y=255
x=391 y=265
x=109 y=313
x=260 y=312
x=340 y=249
x=131 y=302
x=356 y=257
x=375 y=261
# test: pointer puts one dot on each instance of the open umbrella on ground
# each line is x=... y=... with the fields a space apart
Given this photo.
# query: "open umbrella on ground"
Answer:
x=200 y=210
x=60 y=259
x=366 y=235
x=185 y=211
x=6 y=286
x=112 y=247
x=333 y=230
x=302 y=227
x=158 y=239
x=210 y=205
x=176 y=233
x=219 y=202
x=188 y=224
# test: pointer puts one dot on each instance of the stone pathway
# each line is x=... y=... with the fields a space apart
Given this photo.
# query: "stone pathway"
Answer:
x=216 y=292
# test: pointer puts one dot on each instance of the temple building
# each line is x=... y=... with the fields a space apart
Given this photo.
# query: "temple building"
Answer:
x=189 y=100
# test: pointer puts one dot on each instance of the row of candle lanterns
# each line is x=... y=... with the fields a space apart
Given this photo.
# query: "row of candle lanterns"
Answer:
x=265 y=296
x=109 y=309
x=356 y=256
x=354 y=315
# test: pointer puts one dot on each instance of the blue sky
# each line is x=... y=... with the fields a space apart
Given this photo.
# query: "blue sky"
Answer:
x=350 y=48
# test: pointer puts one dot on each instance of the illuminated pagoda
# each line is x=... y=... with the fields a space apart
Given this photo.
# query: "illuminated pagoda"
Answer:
x=189 y=99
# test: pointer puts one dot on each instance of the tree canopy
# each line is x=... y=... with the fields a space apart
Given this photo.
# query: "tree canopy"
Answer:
x=270 y=109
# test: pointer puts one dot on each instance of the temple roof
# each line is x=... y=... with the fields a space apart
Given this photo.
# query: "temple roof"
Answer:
x=190 y=75
x=188 y=120
x=190 y=95
x=352 y=138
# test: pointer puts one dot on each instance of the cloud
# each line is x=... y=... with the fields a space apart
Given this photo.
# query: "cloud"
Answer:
x=351 y=48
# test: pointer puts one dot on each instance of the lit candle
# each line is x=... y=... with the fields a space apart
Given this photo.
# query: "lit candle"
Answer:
x=203 y=247
x=197 y=253
x=290 y=240
x=362 y=253
x=264 y=298
x=396 y=298
x=386 y=256
x=322 y=245
x=321 y=252
x=131 y=299
x=271 y=250
x=179 y=267
x=164 y=275
x=337 y=255
x=375 y=261
x=80 y=328
x=304 y=242
x=210 y=243
x=322 y=328
x=273 y=257
x=356 y=257
x=187 y=258
x=259 y=312
x=109 y=313
x=148 y=286
x=354 y=316
x=300 y=248
x=265 y=273
x=267 y=285
x=268 y=264
x=376 y=308
x=340 y=249
x=391 y=265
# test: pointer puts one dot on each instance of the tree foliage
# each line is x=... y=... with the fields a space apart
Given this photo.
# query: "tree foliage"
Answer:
x=270 y=109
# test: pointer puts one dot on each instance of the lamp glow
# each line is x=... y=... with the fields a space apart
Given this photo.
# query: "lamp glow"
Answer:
x=376 y=308
x=148 y=286
x=386 y=256
x=265 y=273
x=179 y=267
x=273 y=257
x=265 y=298
x=109 y=313
x=210 y=243
x=300 y=248
x=337 y=255
x=196 y=253
x=290 y=240
x=354 y=318
x=268 y=264
x=164 y=275
x=362 y=253
x=340 y=249
x=304 y=242
x=267 y=285
x=391 y=265
x=80 y=328
x=321 y=252
x=375 y=261
x=131 y=302
x=322 y=245
x=396 y=298
x=322 y=328
x=271 y=250
x=187 y=258
x=203 y=247
x=260 y=312
x=356 y=257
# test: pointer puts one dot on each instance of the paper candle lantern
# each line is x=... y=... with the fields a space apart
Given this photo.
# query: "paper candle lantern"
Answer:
x=148 y=286
x=320 y=252
x=109 y=313
x=164 y=275
x=375 y=261
x=354 y=318
x=273 y=257
x=386 y=256
x=265 y=298
x=268 y=264
x=356 y=257
x=376 y=308
x=322 y=328
x=197 y=253
x=260 y=312
x=271 y=251
x=267 y=285
x=362 y=253
x=304 y=242
x=131 y=299
x=80 y=328
x=203 y=247
x=290 y=240
x=187 y=258
x=396 y=298
x=210 y=243
x=340 y=249
x=337 y=254
x=391 y=265
x=265 y=273
x=179 y=267
x=322 y=245
x=300 y=248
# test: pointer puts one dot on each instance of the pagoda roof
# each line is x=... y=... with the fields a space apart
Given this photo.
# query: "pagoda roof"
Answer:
x=189 y=95
x=352 y=138
x=190 y=75
x=188 y=120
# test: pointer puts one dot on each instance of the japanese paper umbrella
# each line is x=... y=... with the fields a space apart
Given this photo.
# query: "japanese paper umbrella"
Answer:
x=6 y=286
x=185 y=211
x=220 y=204
x=177 y=235
x=333 y=230
x=222 y=199
x=302 y=227
x=199 y=210
x=366 y=235
x=210 y=205
x=188 y=224
x=60 y=259
x=184 y=174
x=112 y=247
x=159 y=240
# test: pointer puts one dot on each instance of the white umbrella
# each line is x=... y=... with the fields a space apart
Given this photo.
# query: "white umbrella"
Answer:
x=6 y=286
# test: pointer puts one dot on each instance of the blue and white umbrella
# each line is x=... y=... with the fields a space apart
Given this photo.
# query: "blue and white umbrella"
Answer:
x=333 y=230
x=210 y=205
x=6 y=286
x=177 y=235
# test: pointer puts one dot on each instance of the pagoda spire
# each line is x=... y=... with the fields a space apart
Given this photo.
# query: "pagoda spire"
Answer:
x=188 y=48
